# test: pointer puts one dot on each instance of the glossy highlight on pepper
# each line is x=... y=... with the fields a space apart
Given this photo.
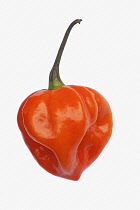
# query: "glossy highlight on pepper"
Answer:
x=65 y=127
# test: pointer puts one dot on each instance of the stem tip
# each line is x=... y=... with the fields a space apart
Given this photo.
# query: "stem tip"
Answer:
x=78 y=21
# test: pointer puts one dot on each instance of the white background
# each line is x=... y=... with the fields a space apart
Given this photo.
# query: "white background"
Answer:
x=103 y=52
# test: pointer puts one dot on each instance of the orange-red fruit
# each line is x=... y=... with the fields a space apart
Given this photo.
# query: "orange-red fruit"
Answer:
x=66 y=128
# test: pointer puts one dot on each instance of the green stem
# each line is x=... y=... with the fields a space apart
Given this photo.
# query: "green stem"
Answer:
x=54 y=78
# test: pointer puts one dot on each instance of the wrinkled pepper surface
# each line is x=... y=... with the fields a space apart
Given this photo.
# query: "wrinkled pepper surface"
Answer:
x=65 y=127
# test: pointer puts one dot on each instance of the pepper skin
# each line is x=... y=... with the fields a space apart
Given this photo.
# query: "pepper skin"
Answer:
x=65 y=127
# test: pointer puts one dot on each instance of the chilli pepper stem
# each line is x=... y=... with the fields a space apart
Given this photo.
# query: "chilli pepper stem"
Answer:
x=54 y=77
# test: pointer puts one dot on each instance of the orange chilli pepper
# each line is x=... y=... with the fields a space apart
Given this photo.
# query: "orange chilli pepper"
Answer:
x=65 y=127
